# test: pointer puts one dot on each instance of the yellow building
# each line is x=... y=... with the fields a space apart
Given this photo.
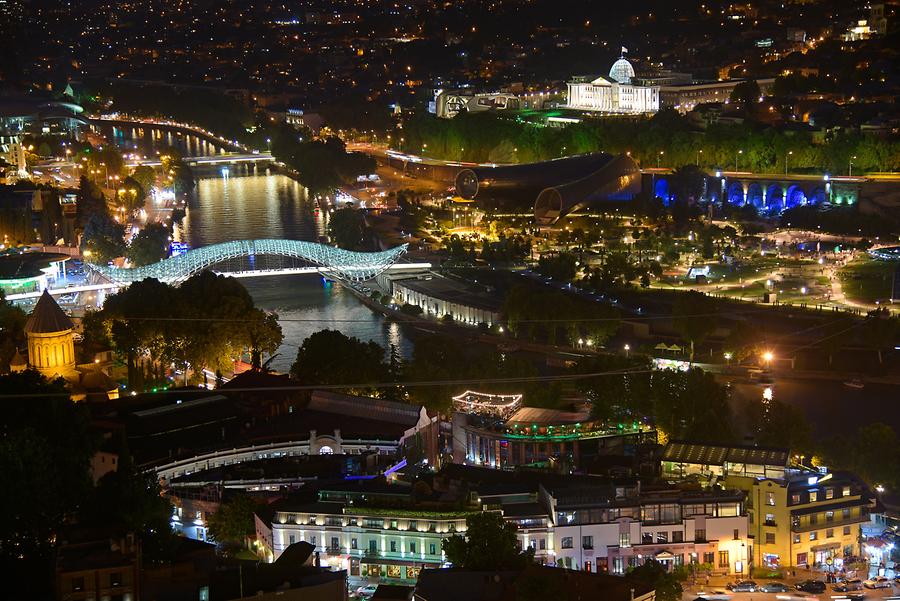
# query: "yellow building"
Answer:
x=805 y=518
x=796 y=516
x=51 y=340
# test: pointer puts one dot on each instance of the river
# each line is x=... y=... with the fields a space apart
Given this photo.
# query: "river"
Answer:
x=275 y=206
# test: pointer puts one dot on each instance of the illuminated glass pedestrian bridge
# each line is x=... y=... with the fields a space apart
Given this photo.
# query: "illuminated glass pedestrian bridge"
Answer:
x=328 y=260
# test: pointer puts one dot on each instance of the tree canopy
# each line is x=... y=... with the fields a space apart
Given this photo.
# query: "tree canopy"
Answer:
x=207 y=322
x=489 y=544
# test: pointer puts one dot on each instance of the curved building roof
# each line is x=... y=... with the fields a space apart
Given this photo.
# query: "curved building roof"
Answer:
x=47 y=317
x=621 y=71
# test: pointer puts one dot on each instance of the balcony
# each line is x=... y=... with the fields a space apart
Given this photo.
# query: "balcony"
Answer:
x=822 y=525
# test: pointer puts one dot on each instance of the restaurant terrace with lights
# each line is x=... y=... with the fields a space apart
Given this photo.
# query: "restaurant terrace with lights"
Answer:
x=493 y=430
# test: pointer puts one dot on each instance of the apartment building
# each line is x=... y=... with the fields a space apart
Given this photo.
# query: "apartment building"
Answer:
x=797 y=516
x=608 y=530
x=806 y=518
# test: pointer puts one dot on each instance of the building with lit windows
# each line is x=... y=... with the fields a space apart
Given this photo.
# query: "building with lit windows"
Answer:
x=797 y=516
x=538 y=437
x=616 y=93
x=614 y=528
x=371 y=531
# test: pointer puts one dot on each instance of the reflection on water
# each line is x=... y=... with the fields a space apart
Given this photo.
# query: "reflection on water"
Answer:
x=147 y=141
x=274 y=206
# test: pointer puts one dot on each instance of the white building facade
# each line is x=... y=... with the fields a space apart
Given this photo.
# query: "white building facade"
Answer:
x=613 y=94
x=674 y=532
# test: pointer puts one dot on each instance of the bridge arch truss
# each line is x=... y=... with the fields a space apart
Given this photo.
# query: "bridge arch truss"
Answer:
x=337 y=262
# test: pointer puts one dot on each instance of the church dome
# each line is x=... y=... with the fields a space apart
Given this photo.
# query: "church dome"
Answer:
x=47 y=317
x=621 y=71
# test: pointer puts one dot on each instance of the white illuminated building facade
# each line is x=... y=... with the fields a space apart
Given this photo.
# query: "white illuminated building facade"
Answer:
x=613 y=94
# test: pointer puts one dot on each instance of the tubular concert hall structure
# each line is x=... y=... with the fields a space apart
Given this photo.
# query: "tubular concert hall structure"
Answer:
x=343 y=264
x=559 y=186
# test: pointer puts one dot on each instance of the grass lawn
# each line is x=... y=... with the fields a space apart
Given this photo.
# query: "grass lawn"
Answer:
x=868 y=280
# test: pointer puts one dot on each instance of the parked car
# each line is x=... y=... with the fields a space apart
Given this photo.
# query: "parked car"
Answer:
x=713 y=596
x=774 y=587
x=853 y=584
x=364 y=592
x=744 y=586
x=811 y=586
x=878 y=582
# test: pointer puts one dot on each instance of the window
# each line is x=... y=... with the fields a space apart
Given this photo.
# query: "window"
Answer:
x=813 y=496
x=700 y=536
x=647 y=538
x=412 y=546
x=847 y=530
x=291 y=539
x=796 y=539
x=770 y=498
x=662 y=537
x=709 y=557
x=723 y=559
x=770 y=519
x=737 y=534
x=795 y=499
x=677 y=536
x=543 y=545
x=624 y=539
x=393 y=546
x=770 y=538
x=432 y=549
x=354 y=544
x=566 y=542
x=813 y=535
x=78 y=583
x=587 y=542
x=829 y=533
x=845 y=492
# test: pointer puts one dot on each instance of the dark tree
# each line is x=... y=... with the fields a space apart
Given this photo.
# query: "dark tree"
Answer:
x=489 y=544
x=150 y=245
x=653 y=575
x=694 y=317
x=330 y=357
x=45 y=450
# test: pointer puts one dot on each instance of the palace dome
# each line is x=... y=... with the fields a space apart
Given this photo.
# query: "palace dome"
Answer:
x=621 y=71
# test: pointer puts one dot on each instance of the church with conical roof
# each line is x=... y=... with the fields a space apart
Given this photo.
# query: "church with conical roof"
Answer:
x=51 y=340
